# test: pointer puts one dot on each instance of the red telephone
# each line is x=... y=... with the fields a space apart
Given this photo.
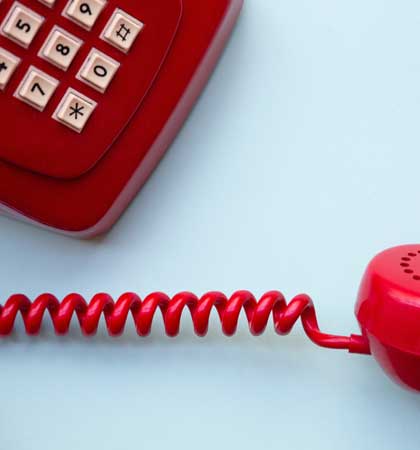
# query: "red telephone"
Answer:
x=93 y=92
x=100 y=88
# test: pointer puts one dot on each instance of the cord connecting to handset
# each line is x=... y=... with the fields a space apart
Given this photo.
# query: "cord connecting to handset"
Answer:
x=273 y=303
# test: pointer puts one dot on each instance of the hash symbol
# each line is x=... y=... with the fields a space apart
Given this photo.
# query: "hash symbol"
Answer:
x=76 y=110
x=123 y=32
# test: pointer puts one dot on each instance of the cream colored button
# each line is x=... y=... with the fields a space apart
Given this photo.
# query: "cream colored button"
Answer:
x=49 y=3
x=98 y=70
x=84 y=12
x=60 y=48
x=21 y=24
x=122 y=30
x=36 y=88
x=74 y=110
x=8 y=65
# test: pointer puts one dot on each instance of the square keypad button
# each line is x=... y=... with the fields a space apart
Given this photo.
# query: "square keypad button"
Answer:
x=122 y=30
x=21 y=24
x=36 y=88
x=49 y=3
x=74 y=110
x=84 y=12
x=98 y=70
x=60 y=48
x=8 y=65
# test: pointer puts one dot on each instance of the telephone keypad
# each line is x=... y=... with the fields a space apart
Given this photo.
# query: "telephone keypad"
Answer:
x=8 y=65
x=122 y=30
x=113 y=83
x=84 y=12
x=36 y=88
x=74 y=110
x=21 y=25
x=98 y=70
x=60 y=48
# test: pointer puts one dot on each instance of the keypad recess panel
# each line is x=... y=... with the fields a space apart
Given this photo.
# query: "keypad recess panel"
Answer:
x=72 y=89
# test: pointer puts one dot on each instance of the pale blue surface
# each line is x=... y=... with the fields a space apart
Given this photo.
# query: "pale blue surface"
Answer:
x=300 y=162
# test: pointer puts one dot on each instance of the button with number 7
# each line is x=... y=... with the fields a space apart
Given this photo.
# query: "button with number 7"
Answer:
x=36 y=88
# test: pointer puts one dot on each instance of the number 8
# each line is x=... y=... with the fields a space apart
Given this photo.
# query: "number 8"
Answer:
x=63 y=49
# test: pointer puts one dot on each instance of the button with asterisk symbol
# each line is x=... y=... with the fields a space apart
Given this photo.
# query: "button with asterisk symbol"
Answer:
x=8 y=64
x=74 y=110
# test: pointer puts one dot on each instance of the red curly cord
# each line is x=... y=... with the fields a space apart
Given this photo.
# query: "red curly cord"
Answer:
x=143 y=311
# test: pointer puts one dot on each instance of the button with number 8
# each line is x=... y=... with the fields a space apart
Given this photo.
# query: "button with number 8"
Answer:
x=84 y=12
x=60 y=48
x=36 y=88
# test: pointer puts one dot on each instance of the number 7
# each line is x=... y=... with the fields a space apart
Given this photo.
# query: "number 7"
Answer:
x=38 y=87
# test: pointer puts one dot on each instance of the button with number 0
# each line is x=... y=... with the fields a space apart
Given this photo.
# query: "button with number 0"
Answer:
x=122 y=30
x=21 y=24
x=60 y=48
x=36 y=88
x=98 y=70
x=84 y=12
x=74 y=110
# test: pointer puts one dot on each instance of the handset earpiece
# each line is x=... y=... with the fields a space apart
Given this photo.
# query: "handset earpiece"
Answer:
x=388 y=310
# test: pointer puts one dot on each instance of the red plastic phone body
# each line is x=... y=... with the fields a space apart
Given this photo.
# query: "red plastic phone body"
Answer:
x=47 y=147
x=81 y=184
x=388 y=310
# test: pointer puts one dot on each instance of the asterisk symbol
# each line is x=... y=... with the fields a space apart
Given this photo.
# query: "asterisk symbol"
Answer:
x=76 y=110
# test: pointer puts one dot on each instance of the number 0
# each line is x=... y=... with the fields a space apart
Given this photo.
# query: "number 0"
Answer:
x=100 y=71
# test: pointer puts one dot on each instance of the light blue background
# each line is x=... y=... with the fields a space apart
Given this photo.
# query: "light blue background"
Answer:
x=299 y=163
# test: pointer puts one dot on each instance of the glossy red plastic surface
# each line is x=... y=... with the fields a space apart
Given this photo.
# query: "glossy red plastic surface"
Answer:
x=116 y=314
x=90 y=204
x=388 y=310
x=32 y=139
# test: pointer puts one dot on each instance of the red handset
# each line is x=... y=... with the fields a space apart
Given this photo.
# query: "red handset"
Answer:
x=388 y=312
x=93 y=92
